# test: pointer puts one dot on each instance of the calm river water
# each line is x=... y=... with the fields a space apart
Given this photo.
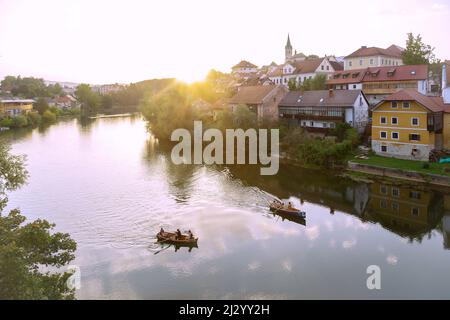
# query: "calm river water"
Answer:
x=111 y=186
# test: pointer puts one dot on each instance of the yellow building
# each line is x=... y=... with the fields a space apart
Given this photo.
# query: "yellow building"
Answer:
x=366 y=57
x=409 y=125
x=13 y=108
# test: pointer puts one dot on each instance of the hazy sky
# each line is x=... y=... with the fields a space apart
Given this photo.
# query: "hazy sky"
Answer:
x=124 y=41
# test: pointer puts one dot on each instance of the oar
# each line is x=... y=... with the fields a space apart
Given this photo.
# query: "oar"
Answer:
x=162 y=249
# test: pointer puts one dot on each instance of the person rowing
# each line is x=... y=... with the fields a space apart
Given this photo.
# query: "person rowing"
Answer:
x=191 y=235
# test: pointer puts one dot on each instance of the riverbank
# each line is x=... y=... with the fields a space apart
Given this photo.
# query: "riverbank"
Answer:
x=391 y=168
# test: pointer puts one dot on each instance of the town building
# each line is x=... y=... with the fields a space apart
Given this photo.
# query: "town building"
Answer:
x=15 y=107
x=366 y=57
x=446 y=98
x=108 y=88
x=380 y=82
x=409 y=125
x=262 y=99
x=318 y=111
x=289 y=56
x=300 y=71
x=244 y=68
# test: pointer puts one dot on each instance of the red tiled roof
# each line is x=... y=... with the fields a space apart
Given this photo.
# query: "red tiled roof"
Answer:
x=251 y=94
x=392 y=51
x=244 y=64
x=374 y=74
x=435 y=104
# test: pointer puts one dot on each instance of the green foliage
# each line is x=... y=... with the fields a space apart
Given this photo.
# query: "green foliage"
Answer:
x=318 y=82
x=34 y=119
x=323 y=152
x=169 y=110
x=90 y=100
x=29 y=87
x=25 y=248
x=106 y=101
x=7 y=122
x=417 y=52
x=426 y=165
x=41 y=105
x=292 y=85
x=132 y=95
x=48 y=117
x=244 y=118
x=20 y=121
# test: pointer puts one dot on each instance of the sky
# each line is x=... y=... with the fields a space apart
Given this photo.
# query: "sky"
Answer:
x=123 y=41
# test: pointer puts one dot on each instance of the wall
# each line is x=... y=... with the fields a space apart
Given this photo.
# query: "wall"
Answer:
x=366 y=62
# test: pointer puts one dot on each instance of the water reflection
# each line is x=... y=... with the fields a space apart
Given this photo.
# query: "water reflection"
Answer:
x=112 y=186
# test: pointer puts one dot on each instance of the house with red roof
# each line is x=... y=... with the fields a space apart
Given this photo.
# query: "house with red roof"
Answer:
x=409 y=125
x=379 y=82
x=366 y=57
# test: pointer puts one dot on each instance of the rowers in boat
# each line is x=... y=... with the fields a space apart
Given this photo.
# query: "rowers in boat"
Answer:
x=177 y=238
x=278 y=206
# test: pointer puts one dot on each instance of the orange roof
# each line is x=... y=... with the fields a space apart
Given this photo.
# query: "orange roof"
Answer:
x=244 y=64
x=434 y=104
x=375 y=74
x=251 y=94
x=392 y=51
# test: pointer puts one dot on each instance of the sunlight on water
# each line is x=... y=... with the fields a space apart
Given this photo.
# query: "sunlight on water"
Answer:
x=112 y=187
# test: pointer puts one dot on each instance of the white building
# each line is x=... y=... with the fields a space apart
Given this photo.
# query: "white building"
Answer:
x=446 y=81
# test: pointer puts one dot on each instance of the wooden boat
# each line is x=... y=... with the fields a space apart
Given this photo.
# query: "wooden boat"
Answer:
x=170 y=237
x=280 y=208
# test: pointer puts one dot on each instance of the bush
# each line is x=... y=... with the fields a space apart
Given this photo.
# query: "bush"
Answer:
x=20 y=121
x=426 y=165
x=34 y=119
x=7 y=122
x=48 y=117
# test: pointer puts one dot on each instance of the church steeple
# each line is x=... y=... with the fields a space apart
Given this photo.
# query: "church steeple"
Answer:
x=288 y=49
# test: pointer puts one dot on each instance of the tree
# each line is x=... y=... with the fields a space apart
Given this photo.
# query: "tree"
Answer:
x=417 y=52
x=318 y=82
x=41 y=105
x=49 y=117
x=89 y=100
x=26 y=248
x=292 y=85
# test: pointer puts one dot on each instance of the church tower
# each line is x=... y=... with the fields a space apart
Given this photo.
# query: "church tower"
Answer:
x=288 y=49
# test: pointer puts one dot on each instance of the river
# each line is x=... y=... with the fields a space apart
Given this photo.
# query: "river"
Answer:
x=112 y=186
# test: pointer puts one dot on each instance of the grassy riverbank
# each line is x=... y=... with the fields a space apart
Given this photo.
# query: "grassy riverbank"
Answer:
x=406 y=165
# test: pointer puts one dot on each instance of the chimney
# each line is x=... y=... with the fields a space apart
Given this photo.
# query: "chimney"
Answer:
x=330 y=93
x=363 y=47
x=444 y=76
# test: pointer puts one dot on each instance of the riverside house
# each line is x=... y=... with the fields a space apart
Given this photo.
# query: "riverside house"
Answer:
x=263 y=100
x=409 y=125
x=379 y=82
x=14 y=107
x=318 y=111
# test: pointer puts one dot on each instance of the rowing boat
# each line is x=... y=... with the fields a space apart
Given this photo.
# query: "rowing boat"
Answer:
x=287 y=211
x=171 y=237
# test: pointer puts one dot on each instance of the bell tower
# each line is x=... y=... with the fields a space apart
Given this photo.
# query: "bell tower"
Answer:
x=288 y=49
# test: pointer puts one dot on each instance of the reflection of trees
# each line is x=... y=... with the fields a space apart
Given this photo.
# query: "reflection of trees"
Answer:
x=358 y=199
x=179 y=177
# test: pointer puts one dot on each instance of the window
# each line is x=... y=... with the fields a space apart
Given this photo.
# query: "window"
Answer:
x=383 y=189
x=382 y=61
x=395 y=192
x=354 y=86
x=406 y=104
x=394 y=104
x=394 y=135
x=311 y=123
x=383 y=120
x=383 y=148
x=415 y=121
x=394 y=120
x=324 y=124
x=395 y=206
x=304 y=123
x=328 y=67
x=371 y=61
x=322 y=67
x=383 y=203
x=332 y=125
x=360 y=62
x=383 y=134
x=349 y=63
x=414 y=137
x=415 y=211
x=414 y=194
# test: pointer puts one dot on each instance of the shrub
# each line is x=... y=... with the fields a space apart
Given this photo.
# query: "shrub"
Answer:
x=20 y=121
x=34 y=119
x=7 y=122
x=48 y=117
x=426 y=165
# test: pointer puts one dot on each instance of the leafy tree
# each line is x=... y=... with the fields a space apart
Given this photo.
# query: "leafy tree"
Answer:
x=292 y=85
x=318 y=82
x=89 y=99
x=26 y=248
x=106 y=101
x=41 y=105
x=244 y=118
x=417 y=52
x=20 y=121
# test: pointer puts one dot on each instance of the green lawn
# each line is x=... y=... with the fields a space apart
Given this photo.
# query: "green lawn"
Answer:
x=410 y=165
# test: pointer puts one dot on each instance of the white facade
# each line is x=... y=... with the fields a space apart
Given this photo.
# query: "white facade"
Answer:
x=445 y=87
